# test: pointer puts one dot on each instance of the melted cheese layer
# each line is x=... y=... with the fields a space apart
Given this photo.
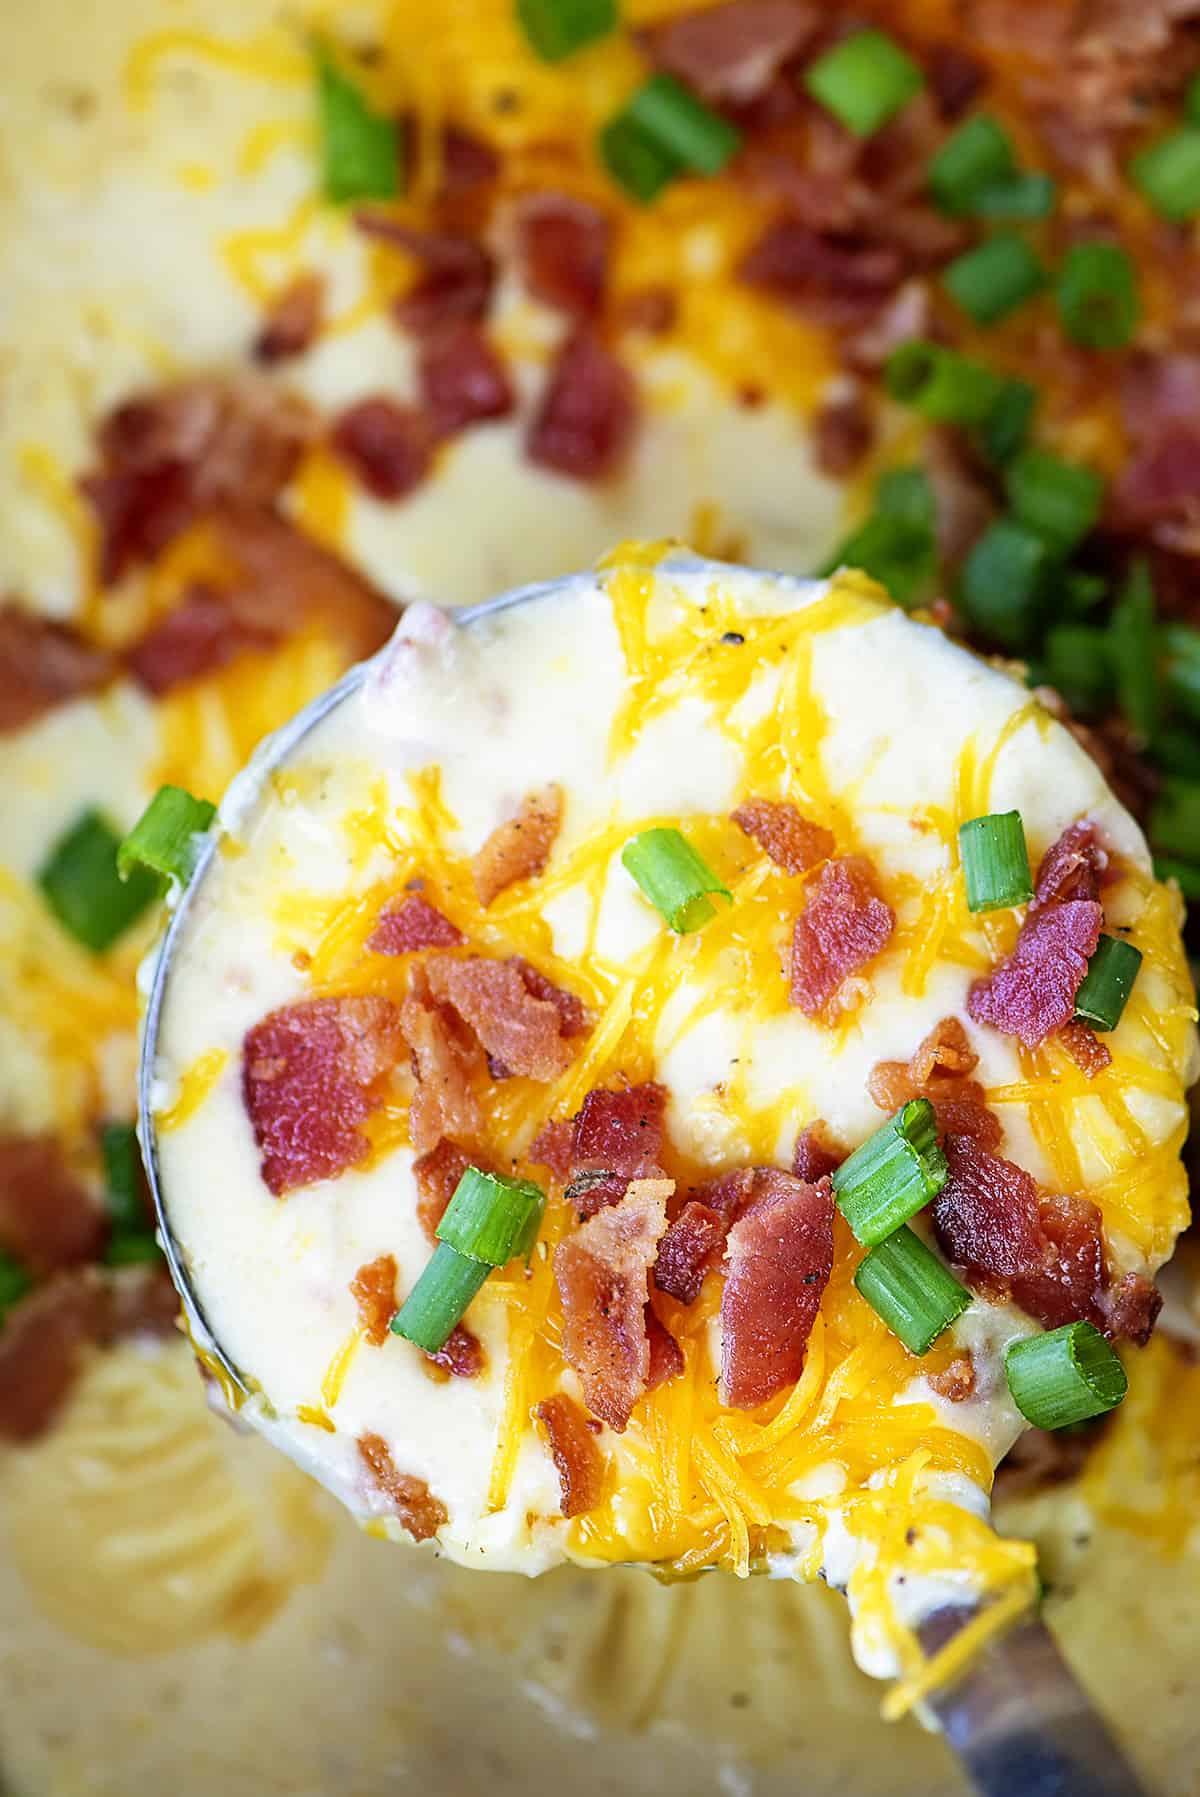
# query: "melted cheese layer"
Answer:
x=625 y=692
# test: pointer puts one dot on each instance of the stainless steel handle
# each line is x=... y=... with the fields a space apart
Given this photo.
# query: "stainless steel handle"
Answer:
x=1021 y=1723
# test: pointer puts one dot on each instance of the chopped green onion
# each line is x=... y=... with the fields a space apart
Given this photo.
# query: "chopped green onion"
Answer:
x=896 y=545
x=1181 y=672
x=1024 y=196
x=673 y=877
x=995 y=861
x=1168 y=174
x=1076 y=664
x=14 y=1283
x=1183 y=873
x=123 y=1177
x=557 y=28
x=906 y=1284
x=670 y=115
x=1133 y=650
x=165 y=837
x=1176 y=751
x=1064 y=1377
x=1191 y=101
x=492 y=1218
x=439 y=1298
x=893 y=1175
x=1002 y=584
x=974 y=158
x=1107 y=983
x=131 y=1248
x=1097 y=296
x=81 y=885
x=995 y=278
x=864 y=81
x=1059 y=500
x=940 y=384
x=1082 y=592
x=1174 y=822
x=1003 y=431
x=360 y=150
x=636 y=162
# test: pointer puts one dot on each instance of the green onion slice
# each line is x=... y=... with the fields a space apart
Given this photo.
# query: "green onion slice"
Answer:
x=995 y=861
x=1027 y=195
x=906 y=1284
x=123 y=1176
x=360 y=150
x=1003 y=431
x=166 y=836
x=557 y=28
x=1134 y=650
x=1168 y=174
x=1191 y=101
x=439 y=1298
x=1174 y=822
x=941 y=384
x=1107 y=983
x=1183 y=873
x=1002 y=584
x=1064 y=1377
x=995 y=278
x=81 y=885
x=976 y=157
x=1181 y=674
x=864 y=81
x=635 y=161
x=670 y=115
x=491 y=1218
x=1059 y=500
x=131 y=1248
x=1097 y=296
x=14 y=1283
x=673 y=877
x=893 y=1175
x=897 y=544
x=1077 y=665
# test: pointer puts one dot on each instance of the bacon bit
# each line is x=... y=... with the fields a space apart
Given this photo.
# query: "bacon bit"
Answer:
x=388 y=445
x=960 y=1103
x=666 y=1355
x=963 y=504
x=585 y=421
x=311 y=1073
x=43 y=665
x=467 y=161
x=409 y=924
x=649 y=309
x=419 y=1511
x=590 y=1192
x=690 y=1250
x=461 y=1354
x=570 y=1007
x=815 y=1157
x=198 y=636
x=783 y=833
x=457 y=275
x=955 y=78
x=956 y=1382
x=444 y=1062
x=284 y=579
x=732 y=53
x=463 y=378
x=1072 y=1278
x=779 y=1260
x=836 y=278
x=45 y=1339
x=575 y=1453
x=1032 y=993
x=563 y=245
x=1073 y=868
x=437 y=1175
x=945 y=1049
x=730 y=1195
x=843 y=430
x=48 y=1219
x=522 y=1030
x=168 y=456
x=602 y=1273
x=551 y=1147
x=293 y=320
x=1132 y=1309
x=909 y=313
x=1085 y=1048
x=620 y=1131
x=986 y=1215
x=519 y=848
x=373 y=1289
x=844 y=925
